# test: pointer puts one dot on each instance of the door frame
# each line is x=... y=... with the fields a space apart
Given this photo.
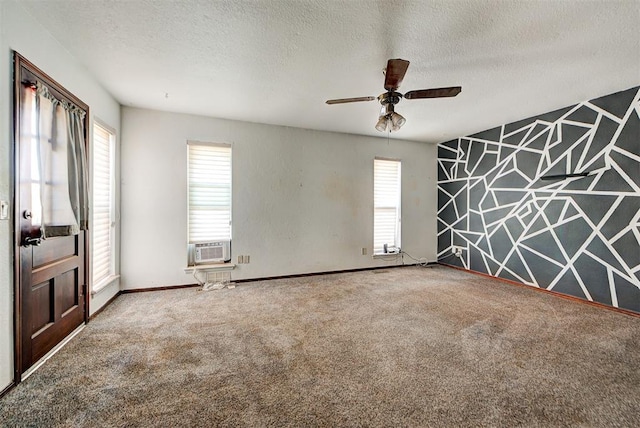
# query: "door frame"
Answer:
x=57 y=90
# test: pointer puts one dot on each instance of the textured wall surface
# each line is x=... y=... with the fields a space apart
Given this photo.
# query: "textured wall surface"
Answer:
x=579 y=236
x=302 y=201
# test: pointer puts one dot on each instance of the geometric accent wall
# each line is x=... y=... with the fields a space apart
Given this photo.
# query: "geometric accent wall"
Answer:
x=579 y=236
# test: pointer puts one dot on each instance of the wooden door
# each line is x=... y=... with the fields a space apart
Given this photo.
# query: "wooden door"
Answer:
x=51 y=274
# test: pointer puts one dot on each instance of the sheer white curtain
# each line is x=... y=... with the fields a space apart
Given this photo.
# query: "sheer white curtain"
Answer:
x=58 y=168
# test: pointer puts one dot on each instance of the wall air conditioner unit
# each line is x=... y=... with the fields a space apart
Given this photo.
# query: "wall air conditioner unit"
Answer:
x=212 y=252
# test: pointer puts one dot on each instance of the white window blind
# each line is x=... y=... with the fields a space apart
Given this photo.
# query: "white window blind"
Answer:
x=209 y=192
x=386 y=203
x=103 y=227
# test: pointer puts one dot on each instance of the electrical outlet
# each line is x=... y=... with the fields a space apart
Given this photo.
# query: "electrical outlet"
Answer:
x=364 y=251
x=457 y=250
x=247 y=259
x=240 y=260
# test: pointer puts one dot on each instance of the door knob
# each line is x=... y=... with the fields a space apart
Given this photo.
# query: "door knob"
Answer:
x=27 y=214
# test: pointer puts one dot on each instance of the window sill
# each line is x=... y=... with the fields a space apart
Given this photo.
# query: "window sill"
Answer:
x=104 y=284
x=385 y=255
x=218 y=267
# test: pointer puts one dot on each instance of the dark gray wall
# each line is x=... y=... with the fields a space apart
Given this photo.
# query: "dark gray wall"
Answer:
x=578 y=236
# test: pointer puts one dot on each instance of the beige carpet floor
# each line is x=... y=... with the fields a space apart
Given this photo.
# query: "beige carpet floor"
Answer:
x=399 y=347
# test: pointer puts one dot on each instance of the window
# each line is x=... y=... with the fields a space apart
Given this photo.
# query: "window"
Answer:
x=386 y=205
x=103 y=227
x=209 y=190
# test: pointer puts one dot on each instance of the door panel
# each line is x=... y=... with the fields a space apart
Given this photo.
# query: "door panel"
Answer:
x=41 y=306
x=51 y=300
x=67 y=292
x=53 y=250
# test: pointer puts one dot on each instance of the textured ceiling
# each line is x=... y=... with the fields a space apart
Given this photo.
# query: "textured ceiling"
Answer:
x=278 y=61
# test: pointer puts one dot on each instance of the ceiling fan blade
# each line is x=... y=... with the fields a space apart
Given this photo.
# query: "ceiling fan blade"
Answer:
x=433 y=93
x=350 y=100
x=396 y=69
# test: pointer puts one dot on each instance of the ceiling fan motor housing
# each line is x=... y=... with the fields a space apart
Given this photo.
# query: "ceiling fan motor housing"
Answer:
x=390 y=98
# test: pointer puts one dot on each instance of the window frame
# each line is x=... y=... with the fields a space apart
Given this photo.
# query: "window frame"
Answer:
x=377 y=251
x=100 y=283
x=190 y=143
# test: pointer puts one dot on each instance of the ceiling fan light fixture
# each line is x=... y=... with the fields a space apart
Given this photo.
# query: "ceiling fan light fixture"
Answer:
x=382 y=123
x=397 y=121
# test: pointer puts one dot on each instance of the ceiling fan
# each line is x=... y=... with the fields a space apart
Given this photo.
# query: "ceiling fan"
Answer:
x=394 y=73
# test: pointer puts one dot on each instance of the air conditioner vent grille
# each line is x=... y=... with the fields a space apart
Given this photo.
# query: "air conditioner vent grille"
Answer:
x=207 y=252
x=211 y=252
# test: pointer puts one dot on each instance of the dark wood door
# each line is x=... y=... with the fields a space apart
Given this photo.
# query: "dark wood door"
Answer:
x=51 y=273
x=52 y=288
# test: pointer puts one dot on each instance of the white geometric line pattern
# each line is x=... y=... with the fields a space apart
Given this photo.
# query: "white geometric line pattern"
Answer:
x=578 y=236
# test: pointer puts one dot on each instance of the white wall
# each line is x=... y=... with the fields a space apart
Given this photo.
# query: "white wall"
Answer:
x=302 y=200
x=20 y=32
